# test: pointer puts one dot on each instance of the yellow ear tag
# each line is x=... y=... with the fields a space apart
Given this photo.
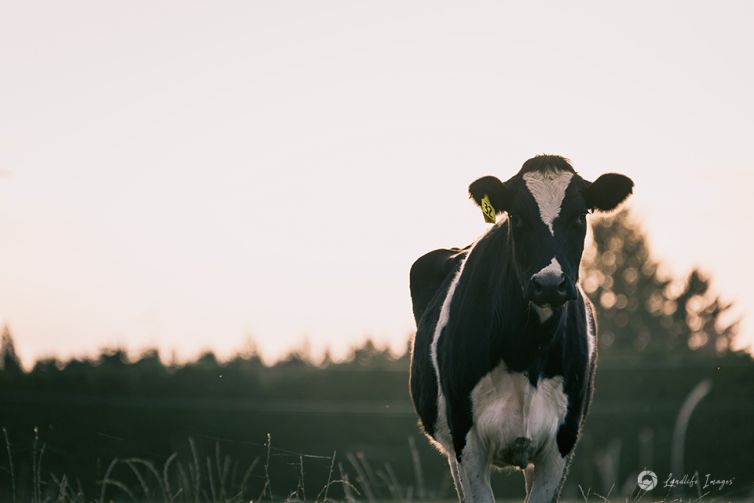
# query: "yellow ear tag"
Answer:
x=487 y=210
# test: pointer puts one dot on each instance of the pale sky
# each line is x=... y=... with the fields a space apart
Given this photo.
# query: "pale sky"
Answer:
x=184 y=175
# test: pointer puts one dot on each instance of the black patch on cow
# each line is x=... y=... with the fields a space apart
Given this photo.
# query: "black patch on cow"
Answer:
x=579 y=396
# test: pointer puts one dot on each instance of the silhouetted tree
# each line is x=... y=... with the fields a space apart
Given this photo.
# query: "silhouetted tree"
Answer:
x=368 y=354
x=637 y=306
x=47 y=366
x=10 y=361
x=116 y=357
x=700 y=316
x=207 y=360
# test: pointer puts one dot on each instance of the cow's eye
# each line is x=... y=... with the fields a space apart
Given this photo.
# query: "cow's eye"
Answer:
x=580 y=221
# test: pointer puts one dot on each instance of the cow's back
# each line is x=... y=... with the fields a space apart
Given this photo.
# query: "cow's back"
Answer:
x=428 y=274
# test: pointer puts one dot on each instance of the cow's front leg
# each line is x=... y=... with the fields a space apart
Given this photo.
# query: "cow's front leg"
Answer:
x=474 y=471
x=456 y=479
x=546 y=478
x=529 y=477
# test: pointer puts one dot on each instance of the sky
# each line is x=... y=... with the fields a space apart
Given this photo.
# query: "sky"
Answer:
x=199 y=175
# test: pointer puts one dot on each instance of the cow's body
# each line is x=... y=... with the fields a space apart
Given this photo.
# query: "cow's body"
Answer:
x=490 y=371
x=497 y=380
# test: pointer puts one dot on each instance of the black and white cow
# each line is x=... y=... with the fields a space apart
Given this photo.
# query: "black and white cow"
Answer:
x=503 y=360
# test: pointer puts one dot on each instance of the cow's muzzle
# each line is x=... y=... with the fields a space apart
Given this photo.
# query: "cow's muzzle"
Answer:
x=551 y=288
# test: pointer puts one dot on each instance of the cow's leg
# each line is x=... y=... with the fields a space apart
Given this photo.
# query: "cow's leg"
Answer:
x=528 y=478
x=456 y=480
x=474 y=471
x=547 y=477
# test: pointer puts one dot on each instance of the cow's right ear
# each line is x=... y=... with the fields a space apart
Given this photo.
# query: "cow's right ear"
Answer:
x=494 y=189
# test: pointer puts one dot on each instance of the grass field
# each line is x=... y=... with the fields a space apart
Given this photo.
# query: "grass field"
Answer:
x=213 y=477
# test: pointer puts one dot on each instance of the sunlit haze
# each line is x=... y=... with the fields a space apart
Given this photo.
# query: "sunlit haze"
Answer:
x=193 y=176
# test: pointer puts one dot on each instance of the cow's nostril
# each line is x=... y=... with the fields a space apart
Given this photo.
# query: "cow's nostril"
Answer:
x=549 y=288
x=562 y=287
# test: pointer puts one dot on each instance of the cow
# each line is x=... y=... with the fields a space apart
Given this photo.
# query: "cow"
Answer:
x=503 y=360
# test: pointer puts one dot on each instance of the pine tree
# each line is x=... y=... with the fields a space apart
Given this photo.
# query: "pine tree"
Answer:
x=11 y=364
x=638 y=308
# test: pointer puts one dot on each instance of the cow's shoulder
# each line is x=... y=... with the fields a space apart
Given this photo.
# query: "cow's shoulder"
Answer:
x=428 y=274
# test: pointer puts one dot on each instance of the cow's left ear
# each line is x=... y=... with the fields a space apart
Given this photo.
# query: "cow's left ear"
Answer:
x=608 y=191
x=494 y=189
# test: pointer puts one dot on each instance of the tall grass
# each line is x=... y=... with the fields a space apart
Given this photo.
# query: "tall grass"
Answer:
x=213 y=477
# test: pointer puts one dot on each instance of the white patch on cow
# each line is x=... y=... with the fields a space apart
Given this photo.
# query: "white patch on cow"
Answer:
x=506 y=406
x=548 y=188
x=552 y=268
x=590 y=332
x=442 y=439
x=442 y=431
x=543 y=312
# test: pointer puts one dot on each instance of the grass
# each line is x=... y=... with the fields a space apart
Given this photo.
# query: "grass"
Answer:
x=214 y=477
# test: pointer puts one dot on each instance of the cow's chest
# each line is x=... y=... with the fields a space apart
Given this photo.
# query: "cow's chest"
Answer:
x=507 y=408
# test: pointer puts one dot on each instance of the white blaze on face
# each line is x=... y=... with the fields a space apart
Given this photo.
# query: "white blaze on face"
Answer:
x=548 y=188
x=552 y=268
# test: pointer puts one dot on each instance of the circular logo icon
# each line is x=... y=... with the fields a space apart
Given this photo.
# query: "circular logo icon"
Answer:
x=647 y=480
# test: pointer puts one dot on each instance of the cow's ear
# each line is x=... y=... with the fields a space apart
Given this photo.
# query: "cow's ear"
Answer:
x=494 y=189
x=608 y=191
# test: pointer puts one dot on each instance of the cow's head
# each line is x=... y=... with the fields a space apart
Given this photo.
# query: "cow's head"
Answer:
x=547 y=203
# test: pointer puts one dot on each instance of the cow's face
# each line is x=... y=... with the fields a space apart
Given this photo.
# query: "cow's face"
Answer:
x=547 y=203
